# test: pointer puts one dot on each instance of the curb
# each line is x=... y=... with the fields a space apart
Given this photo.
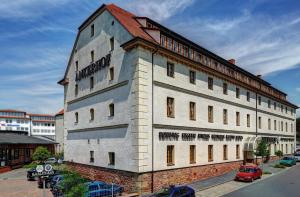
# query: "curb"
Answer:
x=257 y=181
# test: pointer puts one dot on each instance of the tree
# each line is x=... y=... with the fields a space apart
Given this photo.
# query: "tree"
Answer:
x=41 y=154
x=262 y=149
x=279 y=153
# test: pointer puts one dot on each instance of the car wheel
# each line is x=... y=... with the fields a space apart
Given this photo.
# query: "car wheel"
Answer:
x=251 y=180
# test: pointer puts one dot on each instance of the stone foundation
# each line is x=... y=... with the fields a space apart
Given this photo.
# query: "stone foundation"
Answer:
x=142 y=182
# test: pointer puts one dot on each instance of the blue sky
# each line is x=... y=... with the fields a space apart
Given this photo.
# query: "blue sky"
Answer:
x=36 y=37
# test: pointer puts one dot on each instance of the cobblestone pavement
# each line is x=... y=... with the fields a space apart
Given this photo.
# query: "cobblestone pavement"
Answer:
x=15 y=184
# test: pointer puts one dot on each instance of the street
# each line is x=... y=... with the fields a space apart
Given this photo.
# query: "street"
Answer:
x=281 y=185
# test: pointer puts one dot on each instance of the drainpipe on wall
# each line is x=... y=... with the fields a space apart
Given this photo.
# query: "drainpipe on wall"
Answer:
x=152 y=171
x=255 y=123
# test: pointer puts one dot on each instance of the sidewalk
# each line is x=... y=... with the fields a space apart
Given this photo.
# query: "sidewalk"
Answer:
x=211 y=182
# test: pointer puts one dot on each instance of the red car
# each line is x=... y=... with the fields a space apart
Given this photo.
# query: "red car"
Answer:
x=248 y=173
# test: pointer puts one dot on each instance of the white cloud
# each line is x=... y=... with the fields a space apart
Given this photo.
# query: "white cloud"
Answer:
x=157 y=9
x=258 y=43
x=27 y=8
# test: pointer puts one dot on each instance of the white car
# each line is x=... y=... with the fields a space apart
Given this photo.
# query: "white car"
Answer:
x=297 y=156
x=51 y=160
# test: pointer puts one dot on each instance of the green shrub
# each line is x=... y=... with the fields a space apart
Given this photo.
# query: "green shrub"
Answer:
x=41 y=154
x=73 y=184
x=31 y=165
x=278 y=166
x=279 y=153
x=267 y=172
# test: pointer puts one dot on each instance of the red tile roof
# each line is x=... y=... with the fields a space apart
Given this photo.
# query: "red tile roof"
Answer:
x=61 y=112
x=128 y=20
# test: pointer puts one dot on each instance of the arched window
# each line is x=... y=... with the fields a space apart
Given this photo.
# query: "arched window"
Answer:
x=76 y=117
x=92 y=114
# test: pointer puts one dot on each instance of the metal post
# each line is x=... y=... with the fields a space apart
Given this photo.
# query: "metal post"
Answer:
x=112 y=189
x=44 y=185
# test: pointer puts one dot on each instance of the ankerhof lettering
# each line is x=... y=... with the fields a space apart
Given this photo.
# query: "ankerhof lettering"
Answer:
x=93 y=68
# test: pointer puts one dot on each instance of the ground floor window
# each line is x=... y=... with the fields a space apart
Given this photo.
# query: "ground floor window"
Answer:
x=225 y=152
x=237 y=149
x=192 y=154
x=170 y=155
x=92 y=156
x=210 y=153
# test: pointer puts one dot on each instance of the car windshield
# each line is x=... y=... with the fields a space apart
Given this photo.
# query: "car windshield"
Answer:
x=165 y=192
x=297 y=154
x=246 y=170
x=287 y=158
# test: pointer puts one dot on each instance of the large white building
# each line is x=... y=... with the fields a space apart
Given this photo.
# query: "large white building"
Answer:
x=20 y=122
x=146 y=107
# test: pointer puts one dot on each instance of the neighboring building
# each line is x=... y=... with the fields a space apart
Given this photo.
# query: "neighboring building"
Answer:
x=20 y=122
x=43 y=125
x=146 y=107
x=14 y=121
x=298 y=132
x=16 y=150
x=59 y=131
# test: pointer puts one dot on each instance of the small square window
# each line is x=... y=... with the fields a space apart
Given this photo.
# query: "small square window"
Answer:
x=92 y=159
x=91 y=83
x=210 y=82
x=192 y=77
x=225 y=88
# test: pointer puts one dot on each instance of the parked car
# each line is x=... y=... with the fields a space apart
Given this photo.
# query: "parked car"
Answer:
x=288 y=161
x=30 y=177
x=55 y=180
x=51 y=160
x=101 y=189
x=172 y=191
x=297 y=156
x=248 y=173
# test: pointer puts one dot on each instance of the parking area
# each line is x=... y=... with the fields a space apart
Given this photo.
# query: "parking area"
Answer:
x=15 y=184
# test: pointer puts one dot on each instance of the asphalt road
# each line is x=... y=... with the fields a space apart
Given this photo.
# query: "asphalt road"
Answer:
x=284 y=184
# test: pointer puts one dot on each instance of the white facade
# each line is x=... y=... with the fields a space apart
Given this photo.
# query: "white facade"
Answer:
x=128 y=132
x=30 y=124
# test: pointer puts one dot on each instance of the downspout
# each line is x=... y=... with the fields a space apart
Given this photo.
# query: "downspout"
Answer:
x=152 y=171
x=255 y=123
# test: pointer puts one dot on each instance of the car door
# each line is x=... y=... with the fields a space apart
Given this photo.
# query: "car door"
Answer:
x=181 y=192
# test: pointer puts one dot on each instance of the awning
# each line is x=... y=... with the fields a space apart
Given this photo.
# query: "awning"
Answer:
x=251 y=142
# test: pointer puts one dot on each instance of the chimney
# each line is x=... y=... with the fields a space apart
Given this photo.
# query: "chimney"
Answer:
x=232 y=61
x=259 y=76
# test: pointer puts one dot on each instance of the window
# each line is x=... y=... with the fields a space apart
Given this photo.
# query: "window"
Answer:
x=92 y=159
x=259 y=100
x=192 y=111
x=111 y=156
x=248 y=96
x=259 y=122
x=192 y=154
x=275 y=105
x=111 y=109
x=92 y=56
x=92 y=111
x=112 y=43
x=225 y=116
x=170 y=69
x=281 y=108
x=275 y=125
x=76 y=66
x=225 y=156
x=286 y=110
x=170 y=107
x=269 y=104
x=88 y=141
x=91 y=83
x=76 y=89
x=237 y=92
x=281 y=125
x=269 y=124
x=76 y=117
x=192 y=77
x=210 y=153
x=225 y=88
x=92 y=30
x=248 y=120
x=237 y=119
x=292 y=127
x=237 y=151
x=170 y=155
x=111 y=73
x=210 y=114
x=210 y=82
x=286 y=148
x=286 y=127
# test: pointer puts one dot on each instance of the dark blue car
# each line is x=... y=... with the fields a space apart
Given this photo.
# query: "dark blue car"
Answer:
x=101 y=189
x=175 y=191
